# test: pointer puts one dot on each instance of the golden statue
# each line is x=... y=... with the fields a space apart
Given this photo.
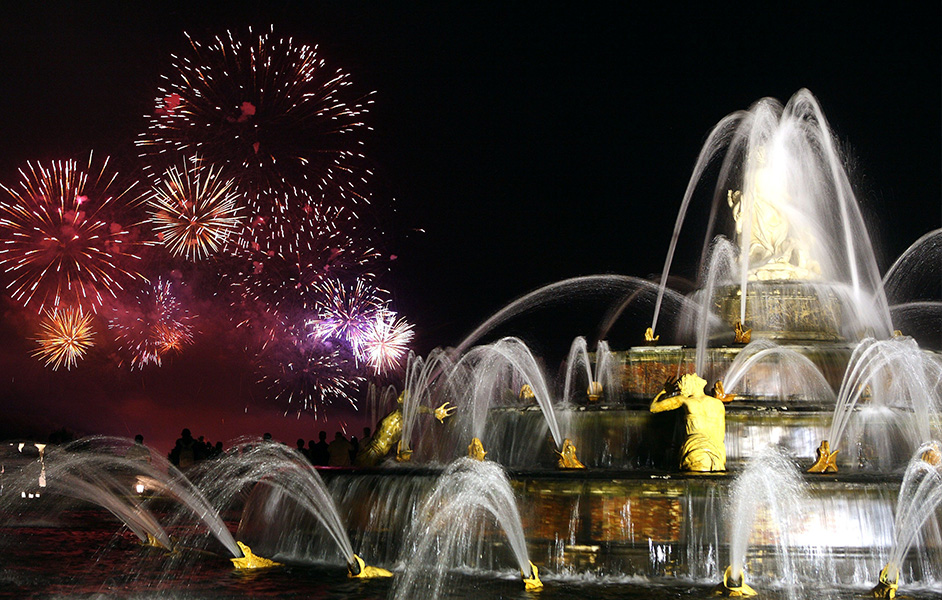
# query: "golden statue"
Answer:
x=249 y=561
x=526 y=393
x=884 y=587
x=594 y=392
x=476 y=449
x=776 y=251
x=743 y=336
x=360 y=570
x=649 y=338
x=389 y=434
x=532 y=583
x=567 y=458
x=932 y=455
x=733 y=589
x=826 y=461
x=704 y=449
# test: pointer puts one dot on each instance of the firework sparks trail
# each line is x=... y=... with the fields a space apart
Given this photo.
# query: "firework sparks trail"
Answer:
x=62 y=240
x=287 y=126
x=194 y=210
x=65 y=336
x=154 y=326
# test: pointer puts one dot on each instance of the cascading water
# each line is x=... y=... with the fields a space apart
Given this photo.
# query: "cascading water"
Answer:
x=447 y=532
x=421 y=376
x=292 y=477
x=771 y=484
x=482 y=375
x=894 y=378
x=795 y=213
x=920 y=495
x=582 y=375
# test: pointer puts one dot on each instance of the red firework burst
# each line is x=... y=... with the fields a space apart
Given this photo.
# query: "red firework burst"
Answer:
x=66 y=235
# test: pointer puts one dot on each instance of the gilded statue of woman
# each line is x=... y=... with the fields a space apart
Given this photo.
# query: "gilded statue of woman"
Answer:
x=704 y=448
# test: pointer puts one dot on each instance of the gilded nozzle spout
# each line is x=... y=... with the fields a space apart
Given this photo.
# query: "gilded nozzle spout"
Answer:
x=249 y=561
x=526 y=393
x=401 y=454
x=594 y=392
x=567 y=457
x=532 y=582
x=733 y=588
x=356 y=568
x=476 y=449
x=826 y=461
x=743 y=336
x=932 y=455
x=649 y=338
x=886 y=588
x=153 y=542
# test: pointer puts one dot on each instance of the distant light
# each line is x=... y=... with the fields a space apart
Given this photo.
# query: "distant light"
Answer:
x=140 y=488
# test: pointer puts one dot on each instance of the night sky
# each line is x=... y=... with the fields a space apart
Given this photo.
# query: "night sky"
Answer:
x=515 y=144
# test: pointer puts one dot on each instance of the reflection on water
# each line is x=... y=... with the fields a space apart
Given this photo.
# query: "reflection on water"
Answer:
x=86 y=555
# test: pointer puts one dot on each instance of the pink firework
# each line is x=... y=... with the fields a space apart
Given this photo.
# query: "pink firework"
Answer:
x=386 y=341
x=331 y=245
x=308 y=373
x=65 y=236
x=346 y=311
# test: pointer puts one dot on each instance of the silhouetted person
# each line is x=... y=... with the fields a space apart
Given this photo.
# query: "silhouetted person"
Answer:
x=185 y=452
x=301 y=450
x=339 y=450
x=266 y=437
x=320 y=454
x=354 y=448
x=138 y=451
x=218 y=450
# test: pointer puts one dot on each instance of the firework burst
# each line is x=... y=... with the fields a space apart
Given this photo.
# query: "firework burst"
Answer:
x=345 y=312
x=309 y=373
x=386 y=341
x=332 y=245
x=65 y=336
x=193 y=210
x=65 y=237
x=154 y=326
x=284 y=122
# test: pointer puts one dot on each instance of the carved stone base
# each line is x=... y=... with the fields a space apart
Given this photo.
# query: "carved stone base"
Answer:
x=784 y=310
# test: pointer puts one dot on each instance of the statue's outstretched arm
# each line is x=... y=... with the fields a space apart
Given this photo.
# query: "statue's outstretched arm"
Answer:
x=668 y=398
x=661 y=404
x=441 y=413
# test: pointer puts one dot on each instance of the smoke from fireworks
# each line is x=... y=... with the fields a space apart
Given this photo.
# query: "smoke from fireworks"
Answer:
x=65 y=335
x=284 y=123
x=65 y=238
x=155 y=325
x=194 y=210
